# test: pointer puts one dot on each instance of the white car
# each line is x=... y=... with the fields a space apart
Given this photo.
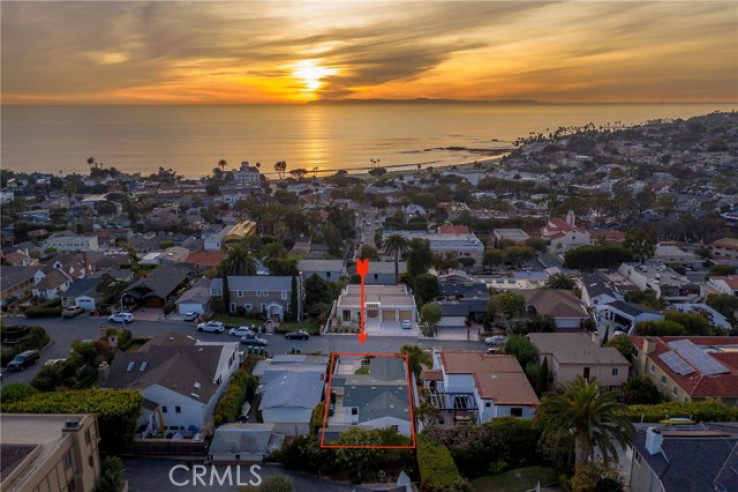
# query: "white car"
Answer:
x=211 y=326
x=406 y=324
x=120 y=318
x=496 y=340
x=241 y=331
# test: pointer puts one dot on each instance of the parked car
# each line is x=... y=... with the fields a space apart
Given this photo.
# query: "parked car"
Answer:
x=297 y=335
x=496 y=340
x=23 y=360
x=211 y=326
x=72 y=311
x=241 y=331
x=121 y=318
x=253 y=340
x=406 y=324
x=191 y=316
x=245 y=411
x=52 y=362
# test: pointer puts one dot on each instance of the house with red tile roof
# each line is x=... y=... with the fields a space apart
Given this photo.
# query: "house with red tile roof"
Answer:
x=564 y=232
x=726 y=248
x=205 y=259
x=690 y=368
x=453 y=229
x=484 y=385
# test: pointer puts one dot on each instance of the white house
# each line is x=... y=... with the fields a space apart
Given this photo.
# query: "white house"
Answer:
x=180 y=378
x=627 y=314
x=596 y=291
x=564 y=233
x=83 y=293
x=664 y=281
x=487 y=385
x=725 y=285
x=71 y=244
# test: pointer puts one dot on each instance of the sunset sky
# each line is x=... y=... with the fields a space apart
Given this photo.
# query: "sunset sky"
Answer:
x=110 y=52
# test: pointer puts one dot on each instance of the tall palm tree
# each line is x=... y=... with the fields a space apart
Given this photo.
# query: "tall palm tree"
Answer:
x=396 y=245
x=560 y=281
x=591 y=414
x=239 y=262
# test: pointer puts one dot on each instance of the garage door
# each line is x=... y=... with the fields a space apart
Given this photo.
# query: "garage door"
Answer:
x=406 y=315
x=388 y=315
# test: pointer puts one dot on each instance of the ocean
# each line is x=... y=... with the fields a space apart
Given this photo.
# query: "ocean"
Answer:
x=329 y=137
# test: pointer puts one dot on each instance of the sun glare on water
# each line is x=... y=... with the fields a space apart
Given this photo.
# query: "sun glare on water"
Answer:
x=310 y=73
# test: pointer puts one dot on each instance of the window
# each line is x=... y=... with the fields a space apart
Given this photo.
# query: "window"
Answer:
x=233 y=306
x=395 y=428
x=247 y=307
x=240 y=293
x=177 y=409
x=376 y=276
x=675 y=391
x=516 y=412
x=263 y=307
x=284 y=294
x=327 y=274
x=653 y=369
x=663 y=379
x=346 y=315
x=354 y=411
x=614 y=371
x=487 y=404
x=164 y=409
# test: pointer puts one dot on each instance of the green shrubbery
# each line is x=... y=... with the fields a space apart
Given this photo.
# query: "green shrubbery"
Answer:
x=48 y=309
x=117 y=411
x=240 y=389
x=701 y=411
x=436 y=466
x=34 y=337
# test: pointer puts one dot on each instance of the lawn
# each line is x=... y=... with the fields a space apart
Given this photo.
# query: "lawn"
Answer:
x=518 y=480
x=362 y=370
x=234 y=320
x=287 y=326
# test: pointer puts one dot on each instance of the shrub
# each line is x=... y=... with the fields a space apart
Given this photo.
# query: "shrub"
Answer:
x=43 y=312
x=316 y=420
x=111 y=474
x=240 y=388
x=15 y=392
x=117 y=411
x=703 y=411
x=168 y=307
x=437 y=468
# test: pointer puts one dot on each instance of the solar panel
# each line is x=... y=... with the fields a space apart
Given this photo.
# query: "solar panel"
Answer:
x=676 y=363
x=698 y=357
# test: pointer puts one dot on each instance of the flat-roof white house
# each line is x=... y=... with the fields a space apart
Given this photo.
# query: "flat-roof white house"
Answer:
x=459 y=245
x=72 y=244
x=328 y=270
x=386 y=307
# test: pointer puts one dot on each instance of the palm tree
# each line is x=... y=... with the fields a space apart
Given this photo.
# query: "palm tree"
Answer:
x=591 y=414
x=397 y=245
x=560 y=281
x=222 y=164
x=239 y=261
x=280 y=167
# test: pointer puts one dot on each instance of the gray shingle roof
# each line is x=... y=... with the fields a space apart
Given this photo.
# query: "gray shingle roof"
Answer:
x=291 y=389
x=83 y=286
x=596 y=286
x=375 y=402
x=388 y=368
x=454 y=308
x=259 y=282
x=320 y=265
x=162 y=281
x=631 y=308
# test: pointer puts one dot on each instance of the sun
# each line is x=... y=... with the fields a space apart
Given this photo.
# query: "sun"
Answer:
x=310 y=73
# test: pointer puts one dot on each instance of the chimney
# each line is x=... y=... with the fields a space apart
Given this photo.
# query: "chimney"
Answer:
x=103 y=373
x=88 y=269
x=654 y=439
x=649 y=345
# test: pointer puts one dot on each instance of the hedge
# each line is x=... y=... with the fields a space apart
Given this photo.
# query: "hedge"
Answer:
x=316 y=420
x=117 y=411
x=436 y=466
x=240 y=388
x=43 y=312
x=701 y=411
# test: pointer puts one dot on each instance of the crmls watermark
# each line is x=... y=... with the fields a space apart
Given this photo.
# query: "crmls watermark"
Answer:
x=207 y=476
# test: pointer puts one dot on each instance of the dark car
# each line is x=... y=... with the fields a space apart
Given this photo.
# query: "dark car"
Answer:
x=297 y=335
x=23 y=360
x=253 y=340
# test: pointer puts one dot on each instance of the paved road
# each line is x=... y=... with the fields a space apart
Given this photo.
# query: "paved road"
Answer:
x=64 y=331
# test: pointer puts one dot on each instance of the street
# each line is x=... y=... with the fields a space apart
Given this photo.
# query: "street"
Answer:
x=64 y=331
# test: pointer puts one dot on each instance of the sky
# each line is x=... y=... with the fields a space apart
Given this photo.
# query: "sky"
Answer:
x=281 y=51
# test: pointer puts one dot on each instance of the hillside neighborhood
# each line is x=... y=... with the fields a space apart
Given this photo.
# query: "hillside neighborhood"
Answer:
x=564 y=316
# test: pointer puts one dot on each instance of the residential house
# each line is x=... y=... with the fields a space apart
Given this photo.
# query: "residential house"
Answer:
x=454 y=314
x=20 y=258
x=247 y=175
x=54 y=453
x=453 y=229
x=626 y=314
x=701 y=457
x=386 y=306
x=569 y=355
x=668 y=253
x=469 y=385
x=564 y=233
x=290 y=394
x=157 y=287
x=456 y=245
x=72 y=243
x=517 y=236
x=196 y=299
x=38 y=216
x=597 y=291
x=713 y=317
x=205 y=259
x=16 y=281
x=377 y=399
x=244 y=443
x=180 y=378
x=214 y=239
x=51 y=285
x=725 y=285
x=661 y=279
x=83 y=293
x=71 y=265
x=268 y=295
x=329 y=270
x=236 y=233
x=565 y=308
x=725 y=248
x=690 y=368
x=465 y=290
x=381 y=272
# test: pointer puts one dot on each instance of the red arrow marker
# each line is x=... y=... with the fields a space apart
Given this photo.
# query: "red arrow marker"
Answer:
x=362 y=268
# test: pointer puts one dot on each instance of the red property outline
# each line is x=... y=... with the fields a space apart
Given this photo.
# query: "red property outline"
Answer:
x=334 y=356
